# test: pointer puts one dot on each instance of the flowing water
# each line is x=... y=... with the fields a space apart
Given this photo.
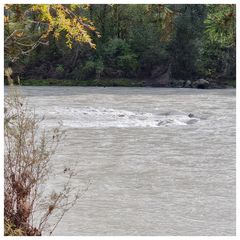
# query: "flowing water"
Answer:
x=159 y=161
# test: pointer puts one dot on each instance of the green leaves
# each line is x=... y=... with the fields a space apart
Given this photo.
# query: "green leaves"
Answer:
x=220 y=24
x=164 y=17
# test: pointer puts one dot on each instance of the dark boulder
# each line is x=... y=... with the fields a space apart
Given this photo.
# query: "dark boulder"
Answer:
x=201 y=83
x=190 y=115
x=180 y=84
x=188 y=84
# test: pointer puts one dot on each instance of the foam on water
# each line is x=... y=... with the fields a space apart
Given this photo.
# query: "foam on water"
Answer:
x=90 y=117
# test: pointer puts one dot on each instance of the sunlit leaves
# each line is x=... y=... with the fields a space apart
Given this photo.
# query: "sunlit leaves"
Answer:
x=27 y=26
x=63 y=19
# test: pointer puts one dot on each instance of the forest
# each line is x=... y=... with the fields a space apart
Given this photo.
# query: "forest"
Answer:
x=120 y=45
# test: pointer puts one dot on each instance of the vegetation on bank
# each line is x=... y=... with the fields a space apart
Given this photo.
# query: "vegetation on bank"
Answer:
x=114 y=41
x=123 y=82
x=232 y=83
x=28 y=204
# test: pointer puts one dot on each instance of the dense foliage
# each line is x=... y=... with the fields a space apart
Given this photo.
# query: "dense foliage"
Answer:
x=111 y=41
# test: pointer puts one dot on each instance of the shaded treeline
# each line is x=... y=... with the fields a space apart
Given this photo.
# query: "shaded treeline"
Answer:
x=191 y=41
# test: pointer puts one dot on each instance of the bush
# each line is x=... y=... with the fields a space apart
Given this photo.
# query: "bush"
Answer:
x=59 y=68
x=119 y=56
x=91 y=69
x=99 y=68
x=127 y=63
x=88 y=70
x=116 y=47
x=27 y=155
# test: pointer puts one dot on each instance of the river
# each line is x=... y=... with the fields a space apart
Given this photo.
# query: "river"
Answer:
x=159 y=161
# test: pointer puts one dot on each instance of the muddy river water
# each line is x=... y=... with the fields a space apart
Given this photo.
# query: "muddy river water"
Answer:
x=160 y=161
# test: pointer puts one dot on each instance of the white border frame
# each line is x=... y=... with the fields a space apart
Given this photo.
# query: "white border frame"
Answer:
x=122 y=2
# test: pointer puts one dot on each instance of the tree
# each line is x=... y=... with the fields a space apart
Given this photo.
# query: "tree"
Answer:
x=221 y=24
x=218 y=53
x=186 y=43
x=27 y=26
x=193 y=40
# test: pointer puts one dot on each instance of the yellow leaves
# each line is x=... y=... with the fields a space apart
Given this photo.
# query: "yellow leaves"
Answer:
x=8 y=72
x=43 y=10
x=75 y=27
x=6 y=19
x=69 y=41
x=11 y=230
x=56 y=34
x=30 y=24
x=92 y=45
x=73 y=7
x=19 y=34
x=67 y=22
x=84 y=19
x=7 y=6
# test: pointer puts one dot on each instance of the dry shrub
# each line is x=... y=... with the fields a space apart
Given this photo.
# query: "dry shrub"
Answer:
x=27 y=154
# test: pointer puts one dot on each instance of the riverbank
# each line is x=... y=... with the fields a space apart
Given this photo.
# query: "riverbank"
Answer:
x=122 y=82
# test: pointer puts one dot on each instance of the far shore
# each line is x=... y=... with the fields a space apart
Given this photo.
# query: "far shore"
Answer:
x=121 y=82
